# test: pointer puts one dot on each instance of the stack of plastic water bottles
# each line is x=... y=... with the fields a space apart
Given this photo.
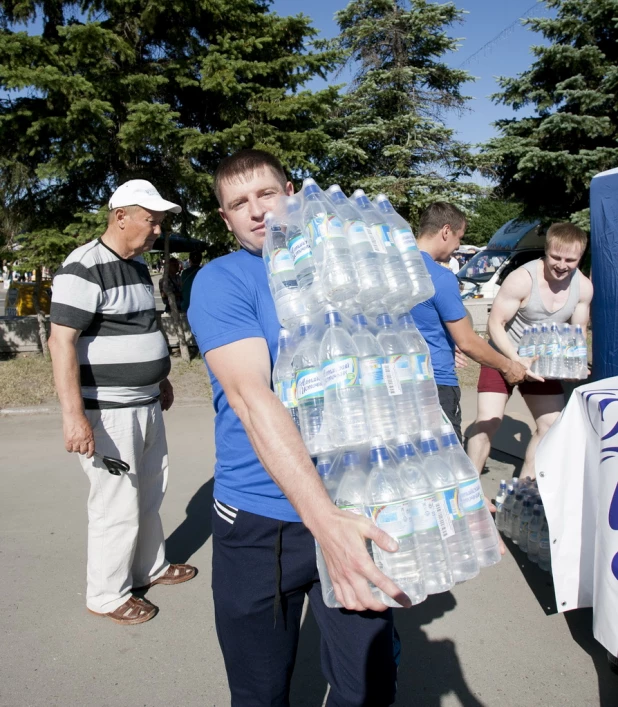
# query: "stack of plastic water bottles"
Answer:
x=562 y=352
x=520 y=517
x=356 y=376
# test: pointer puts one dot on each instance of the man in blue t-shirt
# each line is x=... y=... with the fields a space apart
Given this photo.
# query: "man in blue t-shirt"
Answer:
x=269 y=503
x=442 y=319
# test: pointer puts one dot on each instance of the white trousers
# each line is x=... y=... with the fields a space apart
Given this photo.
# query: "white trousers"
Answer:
x=126 y=545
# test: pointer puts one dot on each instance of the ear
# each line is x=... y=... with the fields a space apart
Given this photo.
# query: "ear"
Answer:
x=289 y=189
x=445 y=232
x=119 y=217
x=227 y=223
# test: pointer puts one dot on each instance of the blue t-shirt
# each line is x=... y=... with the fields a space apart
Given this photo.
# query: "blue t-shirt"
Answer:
x=230 y=301
x=429 y=317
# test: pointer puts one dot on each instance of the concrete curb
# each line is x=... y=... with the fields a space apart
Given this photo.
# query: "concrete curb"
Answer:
x=55 y=410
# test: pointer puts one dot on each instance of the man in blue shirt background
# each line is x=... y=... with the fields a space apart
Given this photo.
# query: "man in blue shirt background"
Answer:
x=270 y=505
x=442 y=319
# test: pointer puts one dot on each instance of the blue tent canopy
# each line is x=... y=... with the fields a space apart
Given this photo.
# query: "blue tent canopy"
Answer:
x=604 y=245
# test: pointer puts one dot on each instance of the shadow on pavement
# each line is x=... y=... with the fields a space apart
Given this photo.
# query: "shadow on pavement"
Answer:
x=580 y=626
x=195 y=529
x=539 y=581
x=512 y=437
x=429 y=670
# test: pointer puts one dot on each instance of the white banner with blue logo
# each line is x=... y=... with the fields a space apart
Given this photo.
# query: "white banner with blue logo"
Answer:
x=577 y=471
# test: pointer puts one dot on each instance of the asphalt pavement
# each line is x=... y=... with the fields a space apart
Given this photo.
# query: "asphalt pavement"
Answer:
x=496 y=641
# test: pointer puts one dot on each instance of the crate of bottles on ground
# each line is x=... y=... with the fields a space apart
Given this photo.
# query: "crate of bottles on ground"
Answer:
x=521 y=518
x=561 y=350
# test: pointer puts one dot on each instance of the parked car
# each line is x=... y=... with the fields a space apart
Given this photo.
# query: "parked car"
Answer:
x=514 y=244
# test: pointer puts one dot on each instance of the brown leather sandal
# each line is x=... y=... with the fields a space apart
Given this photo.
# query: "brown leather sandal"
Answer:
x=133 y=611
x=175 y=574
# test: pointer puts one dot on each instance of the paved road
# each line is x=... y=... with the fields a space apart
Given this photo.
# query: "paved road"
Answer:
x=492 y=642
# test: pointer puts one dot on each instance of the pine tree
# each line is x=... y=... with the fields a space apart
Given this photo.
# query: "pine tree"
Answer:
x=120 y=89
x=546 y=160
x=486 y=215
x=389 y=131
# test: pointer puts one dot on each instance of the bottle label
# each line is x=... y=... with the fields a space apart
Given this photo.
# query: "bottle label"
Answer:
x=382 y=234
x=376 y=240
x=391 y=379
x=522 y=351
x=355 y=508
x=279 y=261
x=325 y=226
x=286 y=392
x=401 y=363
x=530 y=351
x=341 y=372
x=471 y=497
x=533 y=536
x=582 y=351
x=544 y=543
x=372 y=371
x=299 y=249
x=404 y=240
x=570 y=351
x=309 y=384
x=357 y=233
x=423 y=514
x=541 y=349
x=421 y=367
x=393 y=518
x=445 y=522
x=552 y=350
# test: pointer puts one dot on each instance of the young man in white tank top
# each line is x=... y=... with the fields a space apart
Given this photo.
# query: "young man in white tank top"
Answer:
x=551 y=288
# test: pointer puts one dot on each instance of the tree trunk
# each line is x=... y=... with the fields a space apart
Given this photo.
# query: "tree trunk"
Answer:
x=40 y=316
x=171 y=298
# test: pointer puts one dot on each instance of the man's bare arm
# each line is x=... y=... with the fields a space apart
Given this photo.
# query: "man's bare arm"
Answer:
x=243 y=369
x=480 y=351
x=78 y=435
x=511 y=295
x=581 y=315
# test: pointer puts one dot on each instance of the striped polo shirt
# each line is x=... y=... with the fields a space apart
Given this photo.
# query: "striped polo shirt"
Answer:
x=122 y=353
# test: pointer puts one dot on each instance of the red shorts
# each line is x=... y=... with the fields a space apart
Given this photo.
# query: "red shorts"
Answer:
x=492 y=381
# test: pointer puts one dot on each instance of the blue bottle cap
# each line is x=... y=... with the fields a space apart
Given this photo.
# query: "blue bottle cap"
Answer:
x=324 y=467
x=379 y=454
x=311 y=189
x=351 y=459
x=406 y=450
x=384 y=320
x=360 y=319
x=429 y=445
x=292 y=204
x=406 y=318
x=304 y=329
x=332 y=318
x=361 y=198
x=335 y=193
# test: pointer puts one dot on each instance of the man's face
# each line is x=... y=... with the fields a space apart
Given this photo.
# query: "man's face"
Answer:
x=561 y=260
x=142 y=227
x=246 y=200
x=450 y=240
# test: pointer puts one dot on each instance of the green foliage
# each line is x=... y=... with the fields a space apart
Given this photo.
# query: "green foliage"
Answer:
x=546 y=160
x=120 y=89
x=486 y=216
x=388 y=131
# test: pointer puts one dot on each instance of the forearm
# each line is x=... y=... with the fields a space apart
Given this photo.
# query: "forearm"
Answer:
x=66 y=376
x=501 y=339
x=281 y=451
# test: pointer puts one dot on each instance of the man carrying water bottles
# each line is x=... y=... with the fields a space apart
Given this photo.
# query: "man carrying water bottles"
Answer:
x=270 y=505
x=442 y=319
x=550 y=288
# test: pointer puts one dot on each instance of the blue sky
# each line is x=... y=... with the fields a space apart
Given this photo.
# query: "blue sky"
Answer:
x=485 y=19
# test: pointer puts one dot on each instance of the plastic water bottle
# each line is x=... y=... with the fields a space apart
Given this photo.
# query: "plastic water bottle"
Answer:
x=427 y=399
x=400 y=377
x=381 y=413
x=330 y=246
x=569 y=352
x=500 y=496
x=524 y=522
x=284 y=378
x=451 y=520
x=542 y=365
x=534 y=533
x=522 y=349
x=281 y=275
x=533 y=341
x=324 y=467
x=471 y=499
x=507 y=509
x=367 y=255
x=302 y=255
x=344 y=402
x=310 y=392
x=421 y=498
x=544 y=547
x=513 y=528
x=387 y=503
x=554 y=353
x=399 y=297
x=401 y=233
x=581 y=354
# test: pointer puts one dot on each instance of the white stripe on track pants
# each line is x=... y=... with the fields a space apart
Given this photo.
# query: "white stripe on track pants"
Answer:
x=126 y=545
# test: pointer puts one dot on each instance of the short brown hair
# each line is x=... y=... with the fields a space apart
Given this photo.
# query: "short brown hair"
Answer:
x=246 y=162
x=565 y=234
x=438 y=215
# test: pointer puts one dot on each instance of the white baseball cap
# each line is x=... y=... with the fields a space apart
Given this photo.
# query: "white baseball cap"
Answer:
x=139 y=192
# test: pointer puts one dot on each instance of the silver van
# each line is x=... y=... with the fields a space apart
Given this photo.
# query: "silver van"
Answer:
x=514 y=244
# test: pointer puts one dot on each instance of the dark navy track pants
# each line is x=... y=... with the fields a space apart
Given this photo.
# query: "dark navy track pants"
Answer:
x=252 y=557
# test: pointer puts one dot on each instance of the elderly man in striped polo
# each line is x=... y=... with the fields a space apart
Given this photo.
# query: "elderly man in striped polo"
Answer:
x=110 y=366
